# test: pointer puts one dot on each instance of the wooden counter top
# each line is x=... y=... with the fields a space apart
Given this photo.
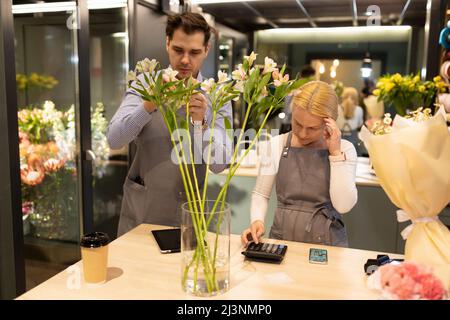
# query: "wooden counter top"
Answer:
x=137 y=270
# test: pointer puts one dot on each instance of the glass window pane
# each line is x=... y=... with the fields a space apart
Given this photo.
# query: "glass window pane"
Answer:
x=109 y=65
x=46 y=75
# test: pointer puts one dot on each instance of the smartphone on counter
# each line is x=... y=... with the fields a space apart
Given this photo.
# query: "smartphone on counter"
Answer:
x=168 y=240
x=319 y=256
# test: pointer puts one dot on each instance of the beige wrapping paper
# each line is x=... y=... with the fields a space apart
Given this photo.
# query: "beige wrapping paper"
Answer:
x=413 y=166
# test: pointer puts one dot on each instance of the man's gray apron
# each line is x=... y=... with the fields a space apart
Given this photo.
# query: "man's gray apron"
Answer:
x=153 y=191
x=304 y=212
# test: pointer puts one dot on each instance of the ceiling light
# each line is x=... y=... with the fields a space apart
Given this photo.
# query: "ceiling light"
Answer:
x=366 y=68
x=218 y=1
x=338 y=34
x=333 y=73
x=66 y=6
x=321 y=68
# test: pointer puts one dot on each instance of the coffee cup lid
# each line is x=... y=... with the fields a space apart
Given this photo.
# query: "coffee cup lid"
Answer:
x=94 y=240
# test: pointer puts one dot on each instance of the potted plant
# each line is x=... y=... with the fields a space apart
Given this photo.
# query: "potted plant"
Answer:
x=407 y=93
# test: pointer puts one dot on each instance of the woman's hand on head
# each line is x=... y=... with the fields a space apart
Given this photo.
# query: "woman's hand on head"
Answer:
x=255 y=231
x=332 y=135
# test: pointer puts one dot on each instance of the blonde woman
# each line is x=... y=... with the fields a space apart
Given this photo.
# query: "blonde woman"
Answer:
x=351 y=116
x=314 y=173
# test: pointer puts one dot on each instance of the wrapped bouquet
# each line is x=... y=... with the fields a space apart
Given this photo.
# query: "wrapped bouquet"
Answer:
x=411 y=157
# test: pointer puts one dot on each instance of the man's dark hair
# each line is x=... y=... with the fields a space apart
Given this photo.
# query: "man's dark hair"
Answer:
x=307 y=71
x=189 y=22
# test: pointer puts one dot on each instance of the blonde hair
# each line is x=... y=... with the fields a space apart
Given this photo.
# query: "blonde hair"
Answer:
x=350 y=99
x=317 y=97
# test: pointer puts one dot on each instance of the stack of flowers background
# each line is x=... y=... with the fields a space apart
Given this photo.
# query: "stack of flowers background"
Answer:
x=47 y=144
x=407 y=93
x=407 y=281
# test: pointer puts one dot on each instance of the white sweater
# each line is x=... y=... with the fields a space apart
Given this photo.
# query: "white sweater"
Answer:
x=343 y=191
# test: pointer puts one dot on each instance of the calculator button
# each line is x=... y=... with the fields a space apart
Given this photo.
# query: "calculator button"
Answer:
x=274 y=248
x=258 y=246
x=269 y=247
x=251 y=245
x=264 y=247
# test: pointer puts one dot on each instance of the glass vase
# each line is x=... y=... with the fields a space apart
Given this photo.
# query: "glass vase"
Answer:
x=205 y=247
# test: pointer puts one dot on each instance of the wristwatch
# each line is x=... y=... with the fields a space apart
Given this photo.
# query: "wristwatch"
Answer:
x=199 y=124
x=338 y=158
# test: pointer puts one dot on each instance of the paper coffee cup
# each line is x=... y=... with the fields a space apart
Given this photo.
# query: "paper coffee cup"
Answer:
x=94 y=253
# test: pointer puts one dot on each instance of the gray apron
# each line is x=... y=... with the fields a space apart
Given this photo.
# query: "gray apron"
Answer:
x=304 y=212
x=153 y=191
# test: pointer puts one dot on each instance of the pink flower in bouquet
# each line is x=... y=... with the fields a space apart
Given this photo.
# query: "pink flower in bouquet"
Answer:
x=26 y=207
x=407 y=281
x=432 y=288
x=53 y=165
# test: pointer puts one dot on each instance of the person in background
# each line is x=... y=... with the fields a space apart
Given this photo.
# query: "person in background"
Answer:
x=351 y=117
x=153 y=190
x=307 y=71
x=313 y=171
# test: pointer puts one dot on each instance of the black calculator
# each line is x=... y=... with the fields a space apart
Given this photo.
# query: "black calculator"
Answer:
x=265 y=252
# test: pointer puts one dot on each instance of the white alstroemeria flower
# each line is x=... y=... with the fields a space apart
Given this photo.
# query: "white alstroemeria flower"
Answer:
x=222 y=77
x=207 y=85
x=139 y=68
x=279 y=79
x=149 y=65
x=269 y=65
x=251 y=71
x=251 y=58
x=239 y=74
x=239 y=86
x=131 y=76
x=170 y=75
x=49 y=106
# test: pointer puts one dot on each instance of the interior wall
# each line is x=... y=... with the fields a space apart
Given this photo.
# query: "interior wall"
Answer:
x=151 y=35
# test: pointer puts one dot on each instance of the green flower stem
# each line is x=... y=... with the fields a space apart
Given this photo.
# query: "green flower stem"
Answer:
x=208 y=160
x=199 y=238
x=191 y=188
x=233 y=160
x=202 y=216
x=247 y=114
x=231 y=173
x=194 y=210
x=191 y=154
x=196 y=270
x=225 y=187
x=196 y=216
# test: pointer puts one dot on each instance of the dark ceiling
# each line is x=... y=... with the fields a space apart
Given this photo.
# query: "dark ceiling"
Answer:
x=264 y=14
